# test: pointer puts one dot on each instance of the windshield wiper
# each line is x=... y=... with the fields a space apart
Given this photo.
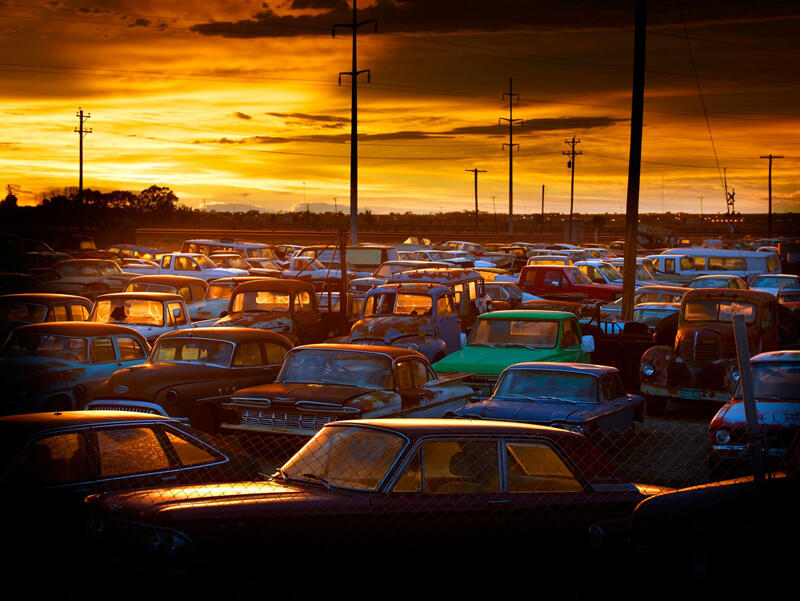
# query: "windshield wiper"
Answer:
x=518 y=345
x=481 y=344
x=280 y=473
x=318 y=478
x=554 y=398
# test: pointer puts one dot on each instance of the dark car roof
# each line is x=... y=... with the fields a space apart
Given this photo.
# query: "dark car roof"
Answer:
x=163 y=278
x=277 y=285
x=76 y=328
x=447 y=277
x=392 y=351
x=423 y=287
x=43 y=421
x=230 y=334
x=583 y=368
x=45 y=298
x=160 y=296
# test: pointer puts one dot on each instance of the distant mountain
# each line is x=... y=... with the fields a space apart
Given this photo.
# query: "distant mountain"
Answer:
x=233 y=207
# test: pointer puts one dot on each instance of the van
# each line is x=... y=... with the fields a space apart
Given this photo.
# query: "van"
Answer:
x=253 y=250
x=742 y=263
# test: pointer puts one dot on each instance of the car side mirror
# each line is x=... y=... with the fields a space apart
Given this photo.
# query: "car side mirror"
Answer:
x=554 y=283
x=587 y=344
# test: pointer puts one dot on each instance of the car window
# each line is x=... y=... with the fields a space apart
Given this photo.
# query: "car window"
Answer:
x=189 y=453
x=186 y=293
x=58 y=459
x=405 y=379
x=453 y=467
x=727 y=263
x=444 y=306
x=197 y=292
x=178 y=321
x=101 y=350
x=535 y=467
x=302 y=302
x=129 y=349
x=79 y=313
x=686 y=264
x=420 y=373
x=611 y=387
x=669 y=265
x=569 y=335
x=128 y=451
x=248 y=354
x=273 y=352
x=58 y=313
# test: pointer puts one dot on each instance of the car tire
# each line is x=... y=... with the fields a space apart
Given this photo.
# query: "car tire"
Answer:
x=656 y=405
x=204 y=417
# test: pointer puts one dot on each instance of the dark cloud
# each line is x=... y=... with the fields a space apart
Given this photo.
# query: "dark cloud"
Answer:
x=448 y=16
x=530 y=128
x=241 y=115
x=140 y=22
x=323 y=121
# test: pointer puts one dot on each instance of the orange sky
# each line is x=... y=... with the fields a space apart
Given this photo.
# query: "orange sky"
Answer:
x=179 y=98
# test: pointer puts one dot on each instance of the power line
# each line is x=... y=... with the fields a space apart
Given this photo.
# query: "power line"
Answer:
x=511 y=122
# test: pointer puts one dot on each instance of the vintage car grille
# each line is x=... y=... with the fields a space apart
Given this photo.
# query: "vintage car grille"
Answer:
x=283 y=419
x=678 y=375
x=100 y=406
x=701 y=353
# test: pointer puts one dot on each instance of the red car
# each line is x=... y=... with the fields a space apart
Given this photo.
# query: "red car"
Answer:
x=565 y=282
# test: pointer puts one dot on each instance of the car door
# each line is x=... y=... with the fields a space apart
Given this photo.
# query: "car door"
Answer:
x=256 y=362
x=410 y=375
x=448 y=323
x=571 y=342
x=616 y=410
x=308 y=321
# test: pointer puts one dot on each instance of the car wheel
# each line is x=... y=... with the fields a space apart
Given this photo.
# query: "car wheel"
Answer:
x=204 y=418
x=656 y=405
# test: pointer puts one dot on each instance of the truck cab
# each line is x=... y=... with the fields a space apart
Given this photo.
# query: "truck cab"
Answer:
x=564 y=282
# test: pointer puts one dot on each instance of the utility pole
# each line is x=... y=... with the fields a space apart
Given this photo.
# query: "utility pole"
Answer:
x=542 y=212
x=701 y=214
x=494 y=210
x=354 y=73
x=511 y=122
x=476 y=172
x=730 y=199
x=634 y=161
x=769 y=214
x=82 y=133
x=571 y=153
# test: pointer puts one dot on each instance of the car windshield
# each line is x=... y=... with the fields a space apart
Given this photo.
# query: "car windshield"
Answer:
x=69 y=348
x=129 y=311
x=609 y=271
x=342 y=367
x=261 y=300
x=771 y=281
x=192 y=350
x=577 y=277
x=651 y=316
x=385 y=270
x=146 y=287
x=541 y=384
x=205 y=262
x=220 y=291
x=260 y=253
x=514 y=332
x=643 y=274
x=709 y=283
x=348 y=457
x=17 y=311
x=776 y=380
x=722 y=310
x=439 y=256
x=398 y=304
x=233 y=261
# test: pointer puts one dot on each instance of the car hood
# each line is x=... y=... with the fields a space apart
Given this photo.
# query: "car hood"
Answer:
x=289 y=393
x=262 y=320
x=391 y=327
x=492 y=361
x=151 y=377
x=771 y=413
x=176 y=501
x=541 y=412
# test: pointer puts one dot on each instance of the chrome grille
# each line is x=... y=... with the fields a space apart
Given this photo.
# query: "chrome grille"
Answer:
x=283 y=419
x=699 y=353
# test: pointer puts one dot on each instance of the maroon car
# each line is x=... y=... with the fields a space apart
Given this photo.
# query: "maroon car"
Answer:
x=566 y=283
x=363 y=494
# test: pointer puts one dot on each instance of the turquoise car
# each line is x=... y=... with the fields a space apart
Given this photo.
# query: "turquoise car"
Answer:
x=500 y=339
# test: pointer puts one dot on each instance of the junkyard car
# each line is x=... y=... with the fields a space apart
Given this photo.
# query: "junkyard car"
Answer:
x=193 y=290
x=288 y=307
x=149 y=313
x=583 y=398
x=51 y=461
x=381 y=490
x=88 y=277
x=421 y=317
x=503 y=338
x=21 y=309
x=196 y=265
x=702 y=366
x=360 y=286
x=321 y=383
x=190 y=373
x=717 y=281
x=507 y=295
x=775 y=283
x=49 y=366
x=218 y=296
x=776 y=383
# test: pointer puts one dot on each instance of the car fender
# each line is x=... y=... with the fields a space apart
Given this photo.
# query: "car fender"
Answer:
x=659 y=357
x=432 y=348
x=377 y=403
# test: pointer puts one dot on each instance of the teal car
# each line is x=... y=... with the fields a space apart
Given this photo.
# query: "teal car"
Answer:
x=500 y=339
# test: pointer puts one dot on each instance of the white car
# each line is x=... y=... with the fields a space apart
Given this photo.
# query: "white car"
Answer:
x=775 y=282
x=196 y=265
x=149 y=313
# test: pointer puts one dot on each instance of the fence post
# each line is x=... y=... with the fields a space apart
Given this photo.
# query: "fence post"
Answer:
x=754 y=441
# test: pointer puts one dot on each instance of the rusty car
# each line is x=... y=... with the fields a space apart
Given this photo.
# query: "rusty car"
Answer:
x=190 y=373
x=193 y=290
x=286 y=306
x=88 y=277
x=218 y=296
x=22 y=309
x=149 y=313
x=421 y=317
x=51 y=366
x=321 y=383
x=702 y=364
x=360 y=286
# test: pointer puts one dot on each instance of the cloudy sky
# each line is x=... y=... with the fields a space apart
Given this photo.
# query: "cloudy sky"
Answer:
x=239 y=101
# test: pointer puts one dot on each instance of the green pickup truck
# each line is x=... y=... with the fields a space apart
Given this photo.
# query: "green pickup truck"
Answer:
x=502 y=338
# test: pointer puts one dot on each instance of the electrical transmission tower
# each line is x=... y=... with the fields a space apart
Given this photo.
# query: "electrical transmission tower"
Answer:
x=571 y=153
x=511 y=121
x=476 y=172
x=354 y=73
x=82 y=133
x=769 y=215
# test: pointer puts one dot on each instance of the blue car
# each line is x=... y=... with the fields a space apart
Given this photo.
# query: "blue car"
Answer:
x=580 y=397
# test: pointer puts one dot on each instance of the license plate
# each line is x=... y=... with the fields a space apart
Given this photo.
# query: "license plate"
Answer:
x=690 y=394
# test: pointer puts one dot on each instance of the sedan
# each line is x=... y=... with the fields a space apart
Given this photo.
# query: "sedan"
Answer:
x=583 y=398
x=718 y=281
x=775 y=283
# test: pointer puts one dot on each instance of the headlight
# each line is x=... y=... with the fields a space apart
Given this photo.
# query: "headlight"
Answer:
x=735 y=375
x=648 y=369
x=722 y=436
